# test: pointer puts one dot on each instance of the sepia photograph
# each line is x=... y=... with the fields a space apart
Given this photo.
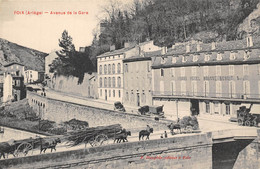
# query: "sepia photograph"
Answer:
x=130 y=84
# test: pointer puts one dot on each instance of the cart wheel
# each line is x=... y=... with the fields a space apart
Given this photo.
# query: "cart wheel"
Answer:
x=189 y=129
x=195 y=127
x=240 y=122
x=255 y=123
x=101 y=139
x=247 y=123
x=23 y=149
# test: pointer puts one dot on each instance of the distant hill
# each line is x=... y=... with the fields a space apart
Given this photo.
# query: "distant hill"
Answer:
x=32 y=59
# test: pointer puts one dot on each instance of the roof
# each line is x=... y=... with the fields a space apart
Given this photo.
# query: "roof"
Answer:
x=116 y=52
x=147 y=56
x=12 y=63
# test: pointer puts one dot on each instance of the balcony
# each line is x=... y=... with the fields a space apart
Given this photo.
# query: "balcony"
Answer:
x=202 y=95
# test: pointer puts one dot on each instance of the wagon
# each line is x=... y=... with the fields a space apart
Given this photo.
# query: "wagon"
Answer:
x=248 y=116
x=119 y=106
x=151 y=110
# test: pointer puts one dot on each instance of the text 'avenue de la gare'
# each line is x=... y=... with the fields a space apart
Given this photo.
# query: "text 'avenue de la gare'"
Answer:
x=50 y=12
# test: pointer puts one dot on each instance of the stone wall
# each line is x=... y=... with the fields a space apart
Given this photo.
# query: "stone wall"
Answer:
x=60 y=111
x=180 y=152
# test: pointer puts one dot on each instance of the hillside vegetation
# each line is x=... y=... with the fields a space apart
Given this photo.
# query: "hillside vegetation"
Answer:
x=11 y=52
x=170 y=21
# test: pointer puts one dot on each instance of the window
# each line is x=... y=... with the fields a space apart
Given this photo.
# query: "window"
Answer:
x=207 y=107
x=100 y=82
x=119 y=93
x=109 y=69
x=219 y=56
x=245 y=70
x=194 y=88
x=227 y=109
x=182 y=71
x=162 y=72
x=163 y=60
x=113 y=68
x=206 y=70
x=172 y=72
x=100 y=93
x=232 y=89
x=207 y=57
x=218 y=88
x=109 y=82
x=206 y=88
x=118 y=68
x=231 y=70
x=184 y=58
x=247 y=54
x=105 y=82
x=126 y=67
x=218 y=70
x=195 y=58
x=118 y=81
x=174 y=59
x=114 y=93
x=105 y=69
x=114 y=82
x=100 y=69
x=162 y=87
x=194 y=71
x=183 y=87
x=232 y=56
x=126 y=96
x=216 y=108
x=173 y=87
x=109 y=93
x=246 y=87
x=143 y=97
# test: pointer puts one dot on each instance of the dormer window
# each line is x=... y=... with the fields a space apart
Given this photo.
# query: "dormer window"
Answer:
x=219 y=56
x=195 y=58
x=232 y=55
x=207 y=57
x=174 y=60
x=247 y=54
x=184 y=58
x=163 y=60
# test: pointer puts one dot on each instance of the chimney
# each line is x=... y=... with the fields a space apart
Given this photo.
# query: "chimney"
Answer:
x=213 y=45
x=112 y=48
x=249 y=40
x=164 y=50
x=187 y=48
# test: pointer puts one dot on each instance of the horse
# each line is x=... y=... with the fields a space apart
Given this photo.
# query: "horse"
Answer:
x=146 y=133
x=122 y=136
x=49 y=143
x=6 y=147
x=174 y=126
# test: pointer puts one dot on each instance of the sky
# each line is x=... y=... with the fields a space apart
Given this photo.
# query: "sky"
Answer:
x=42 y=31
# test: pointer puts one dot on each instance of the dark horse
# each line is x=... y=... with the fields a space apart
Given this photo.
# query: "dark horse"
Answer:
x=122 y=136
x=146 y=133
x=5 y=147
x=174 y=126
x=49 y=143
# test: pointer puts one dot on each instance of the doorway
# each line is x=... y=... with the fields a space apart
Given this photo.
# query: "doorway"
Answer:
x=138 y=99
x=194 y=107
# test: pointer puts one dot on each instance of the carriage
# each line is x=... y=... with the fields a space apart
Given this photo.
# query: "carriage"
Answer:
x=119 y=106
x=248 y=116
x=151 y=110
x=188 y=124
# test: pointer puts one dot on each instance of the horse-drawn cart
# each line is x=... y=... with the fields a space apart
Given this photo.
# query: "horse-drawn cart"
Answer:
x=188 y=124
x=95 y=136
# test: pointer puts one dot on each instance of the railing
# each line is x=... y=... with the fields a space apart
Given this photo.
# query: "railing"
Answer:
x=206 y=94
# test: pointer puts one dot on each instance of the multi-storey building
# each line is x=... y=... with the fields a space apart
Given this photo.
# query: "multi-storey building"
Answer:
x=110 y=69
x=207 y=78
x=138 y=79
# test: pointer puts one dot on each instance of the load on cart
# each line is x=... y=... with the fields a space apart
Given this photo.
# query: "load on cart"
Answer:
x=248 y=116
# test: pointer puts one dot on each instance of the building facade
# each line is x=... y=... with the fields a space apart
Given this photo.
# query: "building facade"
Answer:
x=110 y=69
x=31 y=76
x=138 y=79
x=207 y=78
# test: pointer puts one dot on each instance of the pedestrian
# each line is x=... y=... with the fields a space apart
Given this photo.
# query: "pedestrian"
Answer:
x=165 y=134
